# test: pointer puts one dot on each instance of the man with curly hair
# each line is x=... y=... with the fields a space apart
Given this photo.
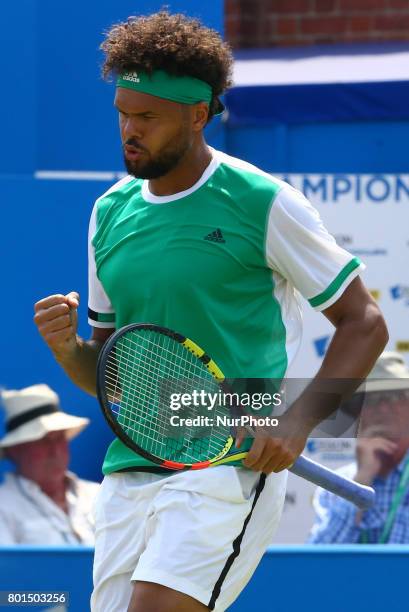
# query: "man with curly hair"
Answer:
x=208 y=245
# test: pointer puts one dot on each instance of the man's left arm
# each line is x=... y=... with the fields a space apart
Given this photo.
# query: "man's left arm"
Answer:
x=360 y=336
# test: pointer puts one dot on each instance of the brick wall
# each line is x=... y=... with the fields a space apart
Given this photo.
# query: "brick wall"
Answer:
x=269 y=23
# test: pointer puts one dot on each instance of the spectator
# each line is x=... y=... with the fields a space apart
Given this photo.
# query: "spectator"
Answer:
x=382 y=461
x=41 y=503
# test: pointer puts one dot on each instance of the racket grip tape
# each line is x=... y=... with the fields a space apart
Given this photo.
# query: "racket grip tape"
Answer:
x=360 y=495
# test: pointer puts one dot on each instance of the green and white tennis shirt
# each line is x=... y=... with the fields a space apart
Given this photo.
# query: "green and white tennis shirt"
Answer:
x=223 y=263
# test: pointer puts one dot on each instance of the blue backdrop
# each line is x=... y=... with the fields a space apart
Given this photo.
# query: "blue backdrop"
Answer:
x=57 y=112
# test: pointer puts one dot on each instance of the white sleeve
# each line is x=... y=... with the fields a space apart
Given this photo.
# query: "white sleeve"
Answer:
x=100 y=311
x=300 y=249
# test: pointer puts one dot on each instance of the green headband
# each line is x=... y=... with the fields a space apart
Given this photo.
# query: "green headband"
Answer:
x=183 y=89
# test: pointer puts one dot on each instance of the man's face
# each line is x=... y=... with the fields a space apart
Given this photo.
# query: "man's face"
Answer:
x=155 y=133
x=44 y=460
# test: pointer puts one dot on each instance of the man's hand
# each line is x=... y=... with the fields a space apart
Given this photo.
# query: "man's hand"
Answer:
x=56 y=320
x=372 y=454
x=269 y=453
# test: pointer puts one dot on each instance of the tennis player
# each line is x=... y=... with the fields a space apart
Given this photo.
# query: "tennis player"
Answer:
x=216 y=249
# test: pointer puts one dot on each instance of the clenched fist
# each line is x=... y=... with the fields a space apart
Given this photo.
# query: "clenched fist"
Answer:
x=56 y=320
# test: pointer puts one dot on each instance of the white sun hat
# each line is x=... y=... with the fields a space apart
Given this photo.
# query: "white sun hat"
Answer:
x=33 y=412
x=389 y=373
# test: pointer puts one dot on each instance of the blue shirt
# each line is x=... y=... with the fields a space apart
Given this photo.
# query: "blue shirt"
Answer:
x=335 y=521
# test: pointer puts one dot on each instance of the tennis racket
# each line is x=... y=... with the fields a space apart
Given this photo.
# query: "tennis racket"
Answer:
x=142 y=368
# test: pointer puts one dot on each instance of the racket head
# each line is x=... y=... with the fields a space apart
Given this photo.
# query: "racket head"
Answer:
x=138 y=368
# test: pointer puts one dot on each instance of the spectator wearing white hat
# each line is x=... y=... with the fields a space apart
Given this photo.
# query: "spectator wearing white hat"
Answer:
x=382 y=461
x=41 y=503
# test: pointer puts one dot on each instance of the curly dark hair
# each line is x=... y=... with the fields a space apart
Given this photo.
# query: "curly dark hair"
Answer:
x=172 y=42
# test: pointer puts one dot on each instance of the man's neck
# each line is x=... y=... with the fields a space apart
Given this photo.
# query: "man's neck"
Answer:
x=186 y=174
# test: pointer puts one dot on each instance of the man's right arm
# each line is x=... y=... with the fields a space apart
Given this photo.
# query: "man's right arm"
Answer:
x=56 y=320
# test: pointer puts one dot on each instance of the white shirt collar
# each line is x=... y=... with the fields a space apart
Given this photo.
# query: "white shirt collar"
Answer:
x=148 y=196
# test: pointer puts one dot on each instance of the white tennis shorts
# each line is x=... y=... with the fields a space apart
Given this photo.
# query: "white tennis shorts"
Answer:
x=202 y=533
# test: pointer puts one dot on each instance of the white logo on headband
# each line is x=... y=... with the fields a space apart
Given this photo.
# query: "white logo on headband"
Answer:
x=131 y=76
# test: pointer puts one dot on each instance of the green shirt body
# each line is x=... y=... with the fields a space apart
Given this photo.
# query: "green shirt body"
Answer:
x=222 y=263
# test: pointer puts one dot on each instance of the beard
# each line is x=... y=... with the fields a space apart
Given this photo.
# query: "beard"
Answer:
x=165 y=160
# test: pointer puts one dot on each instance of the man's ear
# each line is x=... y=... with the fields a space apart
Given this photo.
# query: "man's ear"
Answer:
x=200 y=116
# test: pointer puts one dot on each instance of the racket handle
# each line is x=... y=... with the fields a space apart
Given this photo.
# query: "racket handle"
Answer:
x=360 y=495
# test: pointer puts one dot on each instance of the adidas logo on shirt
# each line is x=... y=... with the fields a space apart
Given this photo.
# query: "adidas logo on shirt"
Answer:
x=131 y=76
x=215 y=236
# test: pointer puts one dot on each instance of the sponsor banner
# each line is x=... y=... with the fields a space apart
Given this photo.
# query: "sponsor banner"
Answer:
x=352 y=189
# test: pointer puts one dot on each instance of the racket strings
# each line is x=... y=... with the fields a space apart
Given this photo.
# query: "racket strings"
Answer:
x=174 y=370
x=150 y=374
x=179 y=357
x=153 y=425
x=141 y=372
